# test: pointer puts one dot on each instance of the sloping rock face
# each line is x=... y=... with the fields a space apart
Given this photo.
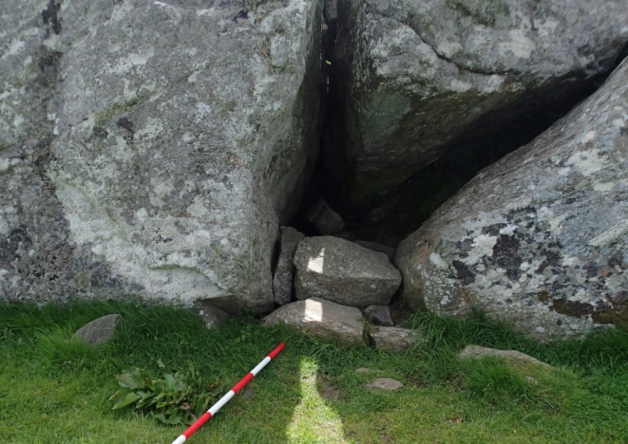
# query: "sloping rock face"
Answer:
x=540 y=239
x=341 y=271
x=152 y=147
x=409 y=78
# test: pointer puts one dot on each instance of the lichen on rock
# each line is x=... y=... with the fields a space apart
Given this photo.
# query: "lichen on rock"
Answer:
x=537 y=240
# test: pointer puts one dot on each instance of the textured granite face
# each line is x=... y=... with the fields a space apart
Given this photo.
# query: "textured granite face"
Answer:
x=395 y=339
x=341 y=271
x=152 y=147
x=283 y=279
x=408 y=78
x=538 y=240
x=321 y=318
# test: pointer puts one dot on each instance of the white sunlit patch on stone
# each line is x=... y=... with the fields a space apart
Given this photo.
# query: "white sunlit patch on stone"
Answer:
x=314 y=310
x=316 y=263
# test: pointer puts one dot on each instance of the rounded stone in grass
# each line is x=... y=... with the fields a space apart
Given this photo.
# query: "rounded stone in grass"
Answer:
x=321 y=318
x=387 y=384
x=394 y=339
x=99 y=331
x=514 y=356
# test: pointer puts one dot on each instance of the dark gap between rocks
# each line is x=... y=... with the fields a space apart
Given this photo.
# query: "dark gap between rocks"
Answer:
x=397 y=212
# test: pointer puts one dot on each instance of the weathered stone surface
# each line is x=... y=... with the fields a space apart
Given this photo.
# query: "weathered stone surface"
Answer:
x=99 y=331
x=394 y=339
x=284 y=273
x=387 y=384
x=478 y=352
x=343 y=272
x=326 y=220
x=538 y=240
x=212 y=316
x=321 y=318
x=330 y=11
x=408 y=78
x=153 y=147
x=378 y=315
x=380 y=248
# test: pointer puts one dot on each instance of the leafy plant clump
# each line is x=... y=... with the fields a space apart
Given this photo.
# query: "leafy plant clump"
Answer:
x=172 y=398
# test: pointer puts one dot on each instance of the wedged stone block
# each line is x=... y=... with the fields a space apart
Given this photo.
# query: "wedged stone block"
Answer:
x=344 y=272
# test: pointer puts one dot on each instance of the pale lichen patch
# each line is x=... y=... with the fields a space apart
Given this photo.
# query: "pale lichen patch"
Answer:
x=588 y=162
x=127 y=63
x=519 y=45
x=609 y=235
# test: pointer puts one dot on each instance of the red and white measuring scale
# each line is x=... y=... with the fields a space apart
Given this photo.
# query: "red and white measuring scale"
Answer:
x=225 y=399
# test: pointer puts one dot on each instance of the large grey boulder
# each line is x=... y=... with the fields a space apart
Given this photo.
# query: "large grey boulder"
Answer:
x=153 y=147
x=341 y=271
x=538 y=240
x=321 y=318
x=409 y=78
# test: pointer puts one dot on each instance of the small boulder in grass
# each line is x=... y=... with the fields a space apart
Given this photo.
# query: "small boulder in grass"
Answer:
x=514 y=356
x=387 y=384
x=99 y=331
x=394 y=339
x=213 y=317
x=321 y=318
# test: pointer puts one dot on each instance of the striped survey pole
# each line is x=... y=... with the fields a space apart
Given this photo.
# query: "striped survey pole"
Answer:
x=225 y=399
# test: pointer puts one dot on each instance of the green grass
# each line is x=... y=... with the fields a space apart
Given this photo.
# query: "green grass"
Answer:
x=54 y=390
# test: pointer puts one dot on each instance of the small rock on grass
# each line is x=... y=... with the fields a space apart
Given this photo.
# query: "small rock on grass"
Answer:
x=394 y=339
x=214 y=317
x=321 y=318
x=387 y=384
x=478 y=352
x=99 y=331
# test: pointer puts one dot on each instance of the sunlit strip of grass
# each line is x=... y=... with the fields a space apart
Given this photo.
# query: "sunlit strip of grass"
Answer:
x=313 y=420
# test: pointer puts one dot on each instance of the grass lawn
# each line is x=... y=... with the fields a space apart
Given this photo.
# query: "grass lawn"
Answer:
x=53 y=390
